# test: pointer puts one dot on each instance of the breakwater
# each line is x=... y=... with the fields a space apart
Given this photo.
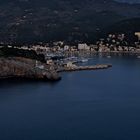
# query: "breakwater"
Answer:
x=82 y=68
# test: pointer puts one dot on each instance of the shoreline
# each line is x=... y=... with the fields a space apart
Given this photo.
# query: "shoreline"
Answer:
x=23 y=69
x=104 y=52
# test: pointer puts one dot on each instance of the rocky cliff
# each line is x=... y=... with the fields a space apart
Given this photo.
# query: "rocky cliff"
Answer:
x=18 y=67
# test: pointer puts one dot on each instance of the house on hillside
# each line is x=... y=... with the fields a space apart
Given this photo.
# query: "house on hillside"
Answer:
x=138 y=35
x=83 y=46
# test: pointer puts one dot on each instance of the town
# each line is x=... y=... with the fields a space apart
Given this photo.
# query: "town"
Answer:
x=112 y=43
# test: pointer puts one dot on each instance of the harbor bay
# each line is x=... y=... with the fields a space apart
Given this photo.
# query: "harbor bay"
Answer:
x=89 y=105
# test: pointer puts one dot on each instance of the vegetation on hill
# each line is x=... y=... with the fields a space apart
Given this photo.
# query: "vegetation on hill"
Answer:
x=31 y=21
x=13 y=52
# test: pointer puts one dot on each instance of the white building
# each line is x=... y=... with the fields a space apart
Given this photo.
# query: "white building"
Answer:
x=138 y=35
x=66 y=47
x=83 y=46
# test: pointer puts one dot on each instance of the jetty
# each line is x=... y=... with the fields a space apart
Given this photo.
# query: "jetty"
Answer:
x=82 y=68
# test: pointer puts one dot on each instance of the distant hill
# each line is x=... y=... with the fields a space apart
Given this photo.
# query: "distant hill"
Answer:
x=30 y=21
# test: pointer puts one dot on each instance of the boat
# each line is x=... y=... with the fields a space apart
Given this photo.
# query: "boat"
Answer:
x=108 y=56
x=72 y=58
x=56 y=56
x=84 y=60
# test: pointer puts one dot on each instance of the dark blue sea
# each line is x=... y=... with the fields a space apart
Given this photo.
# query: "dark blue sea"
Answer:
x=85 y=105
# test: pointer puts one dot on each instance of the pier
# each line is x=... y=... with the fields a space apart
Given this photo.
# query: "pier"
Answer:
x=82 y=68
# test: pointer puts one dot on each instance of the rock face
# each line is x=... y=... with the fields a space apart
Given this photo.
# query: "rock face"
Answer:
x=17 y=67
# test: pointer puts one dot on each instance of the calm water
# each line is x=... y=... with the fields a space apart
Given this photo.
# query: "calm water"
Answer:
x=88 y=105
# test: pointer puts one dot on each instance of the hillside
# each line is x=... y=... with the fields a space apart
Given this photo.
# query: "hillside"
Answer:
x=128 y=27
x=31 y=21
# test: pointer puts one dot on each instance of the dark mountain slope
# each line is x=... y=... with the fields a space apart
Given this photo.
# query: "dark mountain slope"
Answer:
x=129 y=27
x=44 y=20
